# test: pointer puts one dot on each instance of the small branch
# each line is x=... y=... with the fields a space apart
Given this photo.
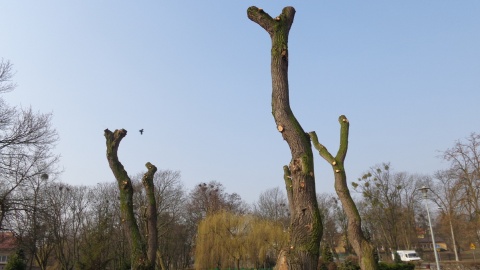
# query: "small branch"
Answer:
x=344 y=127
x=261 y=18
x=322 y=150
x=287 y=177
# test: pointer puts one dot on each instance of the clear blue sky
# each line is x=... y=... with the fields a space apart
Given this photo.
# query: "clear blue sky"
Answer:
x=196 y=76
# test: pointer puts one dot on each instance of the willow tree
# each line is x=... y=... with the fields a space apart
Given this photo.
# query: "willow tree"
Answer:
x=228 y=240
x=143 y=249
x=305 y=222
x=361 y=245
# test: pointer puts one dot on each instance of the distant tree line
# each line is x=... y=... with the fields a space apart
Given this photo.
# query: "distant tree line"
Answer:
x=78 y=227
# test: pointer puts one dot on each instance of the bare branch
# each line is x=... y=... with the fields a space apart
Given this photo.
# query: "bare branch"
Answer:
x=6 y=75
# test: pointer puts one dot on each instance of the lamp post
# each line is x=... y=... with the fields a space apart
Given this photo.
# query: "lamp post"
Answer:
x=424 y=190
x=451 y=232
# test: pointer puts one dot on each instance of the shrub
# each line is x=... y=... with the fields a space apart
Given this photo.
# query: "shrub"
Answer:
x=332 y=266
x=326 y=254
x=350 y=263
x=396 y=266
x=16 y=262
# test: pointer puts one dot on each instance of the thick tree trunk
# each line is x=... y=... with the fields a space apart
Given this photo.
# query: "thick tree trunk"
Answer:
x=140 y=259
x=305 y=223
x=362 y=247
x=152 y=232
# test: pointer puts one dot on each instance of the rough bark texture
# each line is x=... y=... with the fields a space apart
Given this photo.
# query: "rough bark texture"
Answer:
x=152 y=232
x=140 y=259
x=305 y=223
x=362 y=247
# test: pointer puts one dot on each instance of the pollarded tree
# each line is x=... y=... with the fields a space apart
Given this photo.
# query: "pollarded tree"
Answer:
x=362 y=246
x=305 y=221
x=299 y=175
x=143 y=250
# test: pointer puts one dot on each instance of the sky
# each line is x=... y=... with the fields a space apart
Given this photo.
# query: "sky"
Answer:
x=195 y=75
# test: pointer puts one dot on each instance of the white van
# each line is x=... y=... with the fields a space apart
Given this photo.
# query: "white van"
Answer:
x=407 y=255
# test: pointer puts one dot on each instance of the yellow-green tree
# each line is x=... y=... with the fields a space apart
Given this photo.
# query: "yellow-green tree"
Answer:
x=227 y=240
x=264 y=241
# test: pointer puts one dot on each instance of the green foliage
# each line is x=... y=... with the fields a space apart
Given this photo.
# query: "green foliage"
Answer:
x=376 y=256
x=396 y=266
x=322 y=265
x=327 y=255
x=96 y=247
x=396 y=258
x=16 y=262
x=350 y=263
x=332 y=266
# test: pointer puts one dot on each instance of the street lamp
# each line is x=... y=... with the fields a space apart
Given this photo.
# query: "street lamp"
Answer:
x=451 y=231
x=424 y=190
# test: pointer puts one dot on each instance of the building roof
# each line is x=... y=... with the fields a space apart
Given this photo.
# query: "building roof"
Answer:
x=429 y=240
x=8 y=241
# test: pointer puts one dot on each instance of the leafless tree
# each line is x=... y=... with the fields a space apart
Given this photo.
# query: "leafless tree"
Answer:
x=389 y=203
x=464 y=158
x=170 y=197
x=6 y=75
x=272 y=204
x=448 y=194
x=32 y=221
x=333 y=219
x=27 y=140
x=209 y=198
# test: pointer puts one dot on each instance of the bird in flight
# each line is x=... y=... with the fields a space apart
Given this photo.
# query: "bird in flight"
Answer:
x=141 y=131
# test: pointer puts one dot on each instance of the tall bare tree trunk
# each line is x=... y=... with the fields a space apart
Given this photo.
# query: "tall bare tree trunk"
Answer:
x=143 y=254
x=362 y=246
x=152 y=232
x=305 y=223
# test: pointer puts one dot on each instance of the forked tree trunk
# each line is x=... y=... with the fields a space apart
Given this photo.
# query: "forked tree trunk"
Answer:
x=143 y=251
x=362 y=246
x=305 y=222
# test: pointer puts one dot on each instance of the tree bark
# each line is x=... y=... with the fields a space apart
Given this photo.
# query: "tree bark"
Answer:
x=152 y=233
x=361 y=245
x=140 y=259
x=305 y=222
